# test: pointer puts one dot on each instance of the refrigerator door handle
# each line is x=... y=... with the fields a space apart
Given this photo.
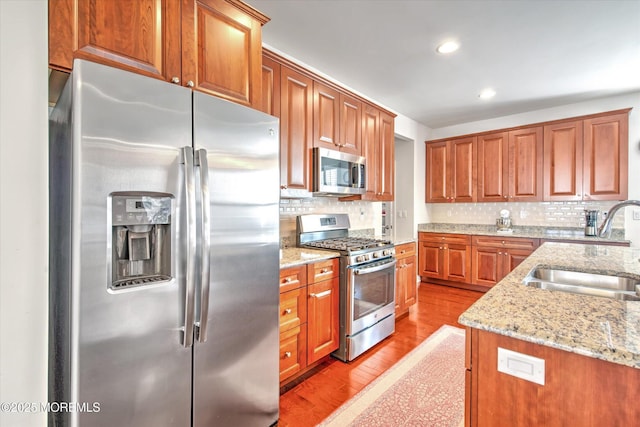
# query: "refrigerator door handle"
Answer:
x=201 y=324
x=190 y=274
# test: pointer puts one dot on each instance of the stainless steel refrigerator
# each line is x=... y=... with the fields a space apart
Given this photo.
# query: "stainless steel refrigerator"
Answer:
x=164 y=237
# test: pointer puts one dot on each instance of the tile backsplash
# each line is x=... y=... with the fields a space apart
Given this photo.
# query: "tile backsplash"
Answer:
x=361 y=214
x=551 y=214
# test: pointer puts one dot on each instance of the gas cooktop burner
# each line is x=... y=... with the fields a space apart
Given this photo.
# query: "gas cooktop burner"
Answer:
x=348 y=243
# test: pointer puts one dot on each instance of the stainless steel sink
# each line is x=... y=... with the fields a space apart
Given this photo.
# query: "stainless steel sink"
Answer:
x=585 y=283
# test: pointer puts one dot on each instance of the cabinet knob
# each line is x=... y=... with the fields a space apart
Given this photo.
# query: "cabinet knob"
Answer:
x=283 y=187
x=190 y=83
x=287 y=311
x=287 y=280
x=175 y=80
x=287 y=354
x=324 y=271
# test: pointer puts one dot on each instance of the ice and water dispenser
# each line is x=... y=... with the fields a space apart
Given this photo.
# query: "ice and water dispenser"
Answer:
x=140 y=239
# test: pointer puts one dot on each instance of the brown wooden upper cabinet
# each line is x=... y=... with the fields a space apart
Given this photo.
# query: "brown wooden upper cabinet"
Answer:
x=296 y=132
x=587 y=159
x=378 y=149
x=510 y=166
x=338 y=118
x=315 y=112
x=451 y=171
x=213 y=46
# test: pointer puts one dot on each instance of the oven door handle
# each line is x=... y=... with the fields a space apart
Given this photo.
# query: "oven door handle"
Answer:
x=367 y=270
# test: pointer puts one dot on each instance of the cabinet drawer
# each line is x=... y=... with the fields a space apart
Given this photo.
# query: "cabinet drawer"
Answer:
x=323 y=270
x=463 y=239
x=405 y=250
x=506 y=242
x=293 y=308
x=293 y=356
x=292 y=278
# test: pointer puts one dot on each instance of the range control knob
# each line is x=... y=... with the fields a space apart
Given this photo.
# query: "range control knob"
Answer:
x=376 y=254
x=360 y=258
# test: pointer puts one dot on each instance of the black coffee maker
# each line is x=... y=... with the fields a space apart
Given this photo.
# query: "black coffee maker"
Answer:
x=591 y=222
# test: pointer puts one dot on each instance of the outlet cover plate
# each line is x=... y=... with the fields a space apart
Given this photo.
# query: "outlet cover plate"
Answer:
x=521 y=365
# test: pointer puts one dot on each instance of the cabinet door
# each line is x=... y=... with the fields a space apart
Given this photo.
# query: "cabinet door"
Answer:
x=493 y=167
x=323 y=319
x=141 y=36
x=296 y=130
x=525 y=165
x=563 y=152
x=408 y=277
x=371 y=147
x=513 y=258
x=431 y=259
x=437 y=180
x=326 y=117
x=486 y=265
x=222 y=49
x=350 y=125
x=458 y=263
x=386 y=163
x=270 y=86
x=606 y=145
x=463 y=169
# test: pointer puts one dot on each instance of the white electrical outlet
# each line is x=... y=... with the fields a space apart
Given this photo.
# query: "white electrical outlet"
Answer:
x=521 y=365
x=636 y=215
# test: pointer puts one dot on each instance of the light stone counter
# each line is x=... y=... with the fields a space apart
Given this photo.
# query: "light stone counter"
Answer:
x=532 y=232
x=292 y=257
x=597 y=327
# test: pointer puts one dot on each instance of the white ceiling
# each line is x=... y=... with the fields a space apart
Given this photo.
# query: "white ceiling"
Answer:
x=535 y=53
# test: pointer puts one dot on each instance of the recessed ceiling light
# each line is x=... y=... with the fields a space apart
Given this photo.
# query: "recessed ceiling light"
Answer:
x=448 y=47
x=487 y=93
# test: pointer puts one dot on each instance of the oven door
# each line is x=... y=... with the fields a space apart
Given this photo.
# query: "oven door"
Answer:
x=370 y=294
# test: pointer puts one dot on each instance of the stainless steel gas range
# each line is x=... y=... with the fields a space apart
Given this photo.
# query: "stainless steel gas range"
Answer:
x=367 y=281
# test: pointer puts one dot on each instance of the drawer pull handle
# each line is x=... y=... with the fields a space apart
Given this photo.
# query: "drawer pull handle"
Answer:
x=287 y=280
x=287 y=354
x=324 y=271
x=287 y=311
x=321 y=294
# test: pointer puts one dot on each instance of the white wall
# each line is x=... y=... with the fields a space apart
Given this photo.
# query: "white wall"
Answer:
x=409 y=129
x=23 y=207
x=632 y=227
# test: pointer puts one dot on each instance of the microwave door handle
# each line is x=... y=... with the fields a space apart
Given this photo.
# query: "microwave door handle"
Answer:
x=201 y=324
x=366 y=270
x=190 y=273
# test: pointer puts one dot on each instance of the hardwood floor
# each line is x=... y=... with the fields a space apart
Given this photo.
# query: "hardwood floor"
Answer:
x=311 y=401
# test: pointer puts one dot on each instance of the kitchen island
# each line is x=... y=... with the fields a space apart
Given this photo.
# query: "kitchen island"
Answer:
x=590 y=346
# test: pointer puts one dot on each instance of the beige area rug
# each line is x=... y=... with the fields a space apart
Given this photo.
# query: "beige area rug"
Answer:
x=425 y=388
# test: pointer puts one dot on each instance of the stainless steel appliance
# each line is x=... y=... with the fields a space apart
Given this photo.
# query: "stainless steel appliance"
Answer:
x=339 y=173
x=591 y=222
x=367 y=281
x=164 y=255
x=503 y=223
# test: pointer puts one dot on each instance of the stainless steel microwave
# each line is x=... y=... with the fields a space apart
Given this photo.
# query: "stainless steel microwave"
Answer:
x=337 y=173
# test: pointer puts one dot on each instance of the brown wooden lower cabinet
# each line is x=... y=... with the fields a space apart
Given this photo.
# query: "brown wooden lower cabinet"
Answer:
x=578 y=390
x=309 y=318
x=495 y=257
x=444 y=256
x=406 y=286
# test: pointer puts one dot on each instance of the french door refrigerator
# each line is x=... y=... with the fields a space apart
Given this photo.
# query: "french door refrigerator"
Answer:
x=164 y=256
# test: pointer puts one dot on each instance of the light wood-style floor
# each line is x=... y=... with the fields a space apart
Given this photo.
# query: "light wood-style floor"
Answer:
x=314 y=399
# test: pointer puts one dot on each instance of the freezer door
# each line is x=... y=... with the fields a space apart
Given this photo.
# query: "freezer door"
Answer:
x=236 y=365
x=120 y=353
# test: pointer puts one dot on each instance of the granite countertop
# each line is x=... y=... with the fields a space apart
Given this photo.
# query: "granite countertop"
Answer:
x=532 y=232
x=597 y=327
x=292 y=257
